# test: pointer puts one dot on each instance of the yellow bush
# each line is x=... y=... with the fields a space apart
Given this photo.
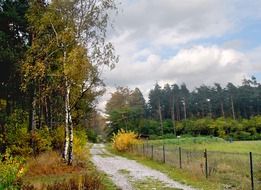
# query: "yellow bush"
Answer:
x=124 y=139
x=80 y=150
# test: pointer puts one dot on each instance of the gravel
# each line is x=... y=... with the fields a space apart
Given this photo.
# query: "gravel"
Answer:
x=115 y=165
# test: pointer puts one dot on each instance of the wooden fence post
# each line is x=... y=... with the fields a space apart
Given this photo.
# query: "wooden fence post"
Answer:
x=163 y=152
x=180 y=164
x=206 y=162
x=251 y=170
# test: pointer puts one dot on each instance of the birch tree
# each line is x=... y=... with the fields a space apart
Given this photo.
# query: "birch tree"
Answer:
x=70 y=47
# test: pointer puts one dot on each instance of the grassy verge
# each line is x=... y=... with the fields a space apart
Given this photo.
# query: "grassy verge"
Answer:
x=49 y=170
x=174 y=173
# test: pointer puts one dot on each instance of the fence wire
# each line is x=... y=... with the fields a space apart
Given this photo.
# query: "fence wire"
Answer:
x=231 y=170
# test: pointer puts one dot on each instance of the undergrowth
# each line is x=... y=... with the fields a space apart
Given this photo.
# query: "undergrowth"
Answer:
x=123 y=140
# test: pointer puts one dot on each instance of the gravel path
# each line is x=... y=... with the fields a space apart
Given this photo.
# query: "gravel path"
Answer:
x=125 y=172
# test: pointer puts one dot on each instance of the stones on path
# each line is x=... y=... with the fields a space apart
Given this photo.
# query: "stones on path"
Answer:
x=124 y=172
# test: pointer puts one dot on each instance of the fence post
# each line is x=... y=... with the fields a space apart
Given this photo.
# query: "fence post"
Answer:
x=206 y=162
x=163 y=152
x=180 y=166
x=152 y=152
x=251 y=170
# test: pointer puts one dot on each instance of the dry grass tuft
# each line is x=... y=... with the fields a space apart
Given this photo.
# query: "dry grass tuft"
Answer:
x=50 y=163
x=87 y=182
x=48 y=172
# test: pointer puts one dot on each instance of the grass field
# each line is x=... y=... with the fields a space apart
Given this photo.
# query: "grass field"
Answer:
x=227 y=162
x=211 y=144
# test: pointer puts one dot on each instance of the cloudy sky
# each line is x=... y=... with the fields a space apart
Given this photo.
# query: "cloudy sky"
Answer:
x=191 y=41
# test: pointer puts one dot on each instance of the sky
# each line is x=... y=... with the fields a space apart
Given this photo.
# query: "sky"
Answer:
x=184 y=41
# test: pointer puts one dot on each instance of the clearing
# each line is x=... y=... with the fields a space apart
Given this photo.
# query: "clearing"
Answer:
x=129 y=175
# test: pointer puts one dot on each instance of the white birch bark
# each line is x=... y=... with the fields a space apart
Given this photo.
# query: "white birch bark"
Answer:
x=66 y=127
x=67 y=114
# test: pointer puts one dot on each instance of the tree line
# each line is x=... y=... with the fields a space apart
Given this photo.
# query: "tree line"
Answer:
x=174 y=109
x=50 y=58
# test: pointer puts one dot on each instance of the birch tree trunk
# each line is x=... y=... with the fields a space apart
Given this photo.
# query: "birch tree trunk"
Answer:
x=68 y=132
x=70 y=148
x=67 y=113
x=66 y=127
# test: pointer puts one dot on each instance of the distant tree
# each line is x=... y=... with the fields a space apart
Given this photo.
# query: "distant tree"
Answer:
x=118 y=100
x=155 y=102
x=125 y=109
x=232 y=91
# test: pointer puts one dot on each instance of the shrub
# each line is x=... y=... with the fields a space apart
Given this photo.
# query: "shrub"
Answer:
x=17 y=137
x=58 y=138
x=92 y=135
x=11 y=169
x=123 y=140
x=42 y=140
x=80 y=150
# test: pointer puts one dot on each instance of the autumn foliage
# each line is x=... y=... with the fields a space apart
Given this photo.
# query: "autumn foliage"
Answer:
x=123 y=140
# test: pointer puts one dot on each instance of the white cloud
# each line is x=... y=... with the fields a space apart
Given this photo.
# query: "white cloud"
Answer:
x=194 y=66
x=170 y=22
x=159 y=41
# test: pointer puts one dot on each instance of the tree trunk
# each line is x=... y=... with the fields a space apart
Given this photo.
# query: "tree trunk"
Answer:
x=173 y=117
x=67 y=124
x=232 y=108
x=68 y=142
x=160 y=117
x=50 y=116
x=178 y=111
x=185 y=111
x=222 y=109
x=32 y=124
x=70 y=148
x=67 y=114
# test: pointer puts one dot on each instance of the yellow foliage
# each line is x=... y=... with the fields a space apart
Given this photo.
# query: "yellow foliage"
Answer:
x=123 y=140
x=80 y=150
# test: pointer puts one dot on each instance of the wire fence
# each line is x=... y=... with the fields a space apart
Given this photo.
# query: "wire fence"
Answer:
x=232 y=170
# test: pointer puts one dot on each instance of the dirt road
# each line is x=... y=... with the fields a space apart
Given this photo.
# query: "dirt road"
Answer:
x=130 y=175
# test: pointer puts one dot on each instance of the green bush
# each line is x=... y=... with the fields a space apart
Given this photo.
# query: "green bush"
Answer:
x=41 y=139
x=92 y=135
x=17 y=137
x=11 y=169
x=20 y=141
x=58 y=138
x=150 y=127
